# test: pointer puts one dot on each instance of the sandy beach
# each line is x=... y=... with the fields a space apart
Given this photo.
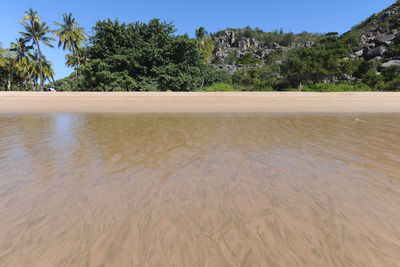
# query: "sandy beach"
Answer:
x=199 y=102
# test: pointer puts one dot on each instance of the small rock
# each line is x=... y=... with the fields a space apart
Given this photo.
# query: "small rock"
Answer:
x=378 y=58
x=347 y=77
x=391 y=63
x=359 y=53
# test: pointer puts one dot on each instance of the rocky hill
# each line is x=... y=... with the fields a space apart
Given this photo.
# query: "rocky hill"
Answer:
x=377 y=39
x=236 y=49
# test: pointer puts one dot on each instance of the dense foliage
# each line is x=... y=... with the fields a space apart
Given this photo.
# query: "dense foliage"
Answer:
x=150 y=57
x=144 y=57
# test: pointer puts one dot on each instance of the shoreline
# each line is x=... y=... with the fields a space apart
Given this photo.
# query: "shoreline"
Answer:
x=199 y=102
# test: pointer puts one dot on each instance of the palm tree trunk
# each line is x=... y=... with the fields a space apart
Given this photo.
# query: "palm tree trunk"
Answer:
x=41 y=65
x=30 y=81
x=73 y=55
x=54 y=82
x=79 y=63
x=9 y=83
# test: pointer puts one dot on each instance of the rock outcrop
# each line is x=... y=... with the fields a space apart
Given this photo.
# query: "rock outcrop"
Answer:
x=375 y=52
x=231 y=45
x=378 y=33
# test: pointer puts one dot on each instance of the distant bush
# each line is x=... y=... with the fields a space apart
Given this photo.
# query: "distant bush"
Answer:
x=231 y=58
x=219 y=87
x=249 y=59
x=328 y=87
x=352 y=39
x=70 y=83
x=265 y=89
x=393 y=85
x=217 y=60
x=149 y=85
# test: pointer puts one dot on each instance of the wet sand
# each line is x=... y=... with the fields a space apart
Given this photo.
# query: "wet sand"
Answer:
x=196 y=102
x=199 y=190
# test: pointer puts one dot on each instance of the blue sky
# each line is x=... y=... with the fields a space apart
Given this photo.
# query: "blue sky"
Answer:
x=291 y=15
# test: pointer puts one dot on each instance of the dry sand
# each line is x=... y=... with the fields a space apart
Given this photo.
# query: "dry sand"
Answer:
x=197 y=102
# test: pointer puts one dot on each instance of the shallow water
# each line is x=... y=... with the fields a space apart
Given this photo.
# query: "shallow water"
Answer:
x=199 y=190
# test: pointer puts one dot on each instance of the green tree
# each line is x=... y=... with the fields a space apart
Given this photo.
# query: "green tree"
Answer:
x=206 y=43
x=79 y=58
x=391 y=73
x=142 y=56
x=36 y=32
x=201 y=33
x=71 y=37
x=36 y=69
x=3 y=58
x=324 y=62
x=8 y=71
x=391 y=76
x=22 y=53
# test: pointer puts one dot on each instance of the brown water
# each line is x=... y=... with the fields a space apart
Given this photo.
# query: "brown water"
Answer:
x=199 y=190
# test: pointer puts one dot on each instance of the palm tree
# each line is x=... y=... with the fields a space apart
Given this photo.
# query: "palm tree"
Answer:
x=7 y=67
x=22 y=58
x=71 y=37
x=79 y=59
x=21 y=50
x=34 y=68
x=201 y=33
x=3 y=58
x=48 y=71
x=206 y=44
x=35 y=32
x=71 y=61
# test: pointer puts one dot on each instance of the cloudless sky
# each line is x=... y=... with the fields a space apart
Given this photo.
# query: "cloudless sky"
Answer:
x=292 y=15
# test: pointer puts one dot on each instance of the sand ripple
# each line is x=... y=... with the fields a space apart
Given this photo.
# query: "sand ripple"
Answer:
x=199 y=190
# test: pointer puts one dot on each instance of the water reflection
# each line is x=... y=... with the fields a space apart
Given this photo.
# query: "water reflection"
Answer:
x=200 y=189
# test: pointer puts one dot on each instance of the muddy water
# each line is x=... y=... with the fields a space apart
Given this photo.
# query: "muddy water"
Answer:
x=199 y=190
